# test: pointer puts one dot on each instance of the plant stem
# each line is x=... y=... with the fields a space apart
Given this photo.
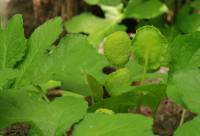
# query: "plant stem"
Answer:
x=145 y=70
x=182 y=117
x=45 y=98
x=42 y=93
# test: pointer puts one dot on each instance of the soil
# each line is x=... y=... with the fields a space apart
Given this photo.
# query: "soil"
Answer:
x=108 y=70
x=168 y=118
x=17 y=129
x=54 y=93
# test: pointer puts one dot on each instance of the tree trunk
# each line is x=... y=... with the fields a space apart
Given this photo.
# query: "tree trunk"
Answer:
x=35 y=12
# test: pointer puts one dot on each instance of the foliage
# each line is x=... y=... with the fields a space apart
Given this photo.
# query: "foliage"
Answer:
x=145 y=9
x=93 y=123
x=149 y=47
x=97 y=82
x=121 y=43
x=50 y=118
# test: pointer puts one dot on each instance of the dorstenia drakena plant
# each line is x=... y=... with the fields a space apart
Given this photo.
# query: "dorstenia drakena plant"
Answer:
x=99 y=80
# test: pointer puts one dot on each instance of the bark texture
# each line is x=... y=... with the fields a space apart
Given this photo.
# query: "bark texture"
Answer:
x=35 y=12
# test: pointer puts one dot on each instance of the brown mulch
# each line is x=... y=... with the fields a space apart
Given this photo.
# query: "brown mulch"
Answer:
x=168 y=118
x=17 y=129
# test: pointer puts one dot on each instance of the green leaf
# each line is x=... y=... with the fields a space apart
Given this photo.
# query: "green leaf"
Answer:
x=145 y=9
x=136 y=72
x=184 y=88
x=193 y=19
x=104 y=2
x=185 y=52
x=95 y=87
x=75 y=57
x=51 y=84
x=92 y=2
x=118 y=82
x=116 y=125
x=168 y=30
x=97 y=28
x=117 y=48
x=114 y=13
x=196 y=5
x=52 y=119
x=119 y=104
x=12 y=42
x=68 y=93
x=37 y=67
x=105 y=111
x=151 y=95
x=190 y=128
x=150 y=47
x=83 y=22
x=6 y=75
x=147 y=95
x=111 y=2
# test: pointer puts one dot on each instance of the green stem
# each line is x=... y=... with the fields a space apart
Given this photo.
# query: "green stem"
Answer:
x=182 y=117
x=42 y=92
x=45 y=98
x=145 y=70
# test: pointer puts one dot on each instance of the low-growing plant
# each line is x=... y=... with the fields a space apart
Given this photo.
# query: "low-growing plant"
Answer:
x=53 y=85
x=167 y=15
